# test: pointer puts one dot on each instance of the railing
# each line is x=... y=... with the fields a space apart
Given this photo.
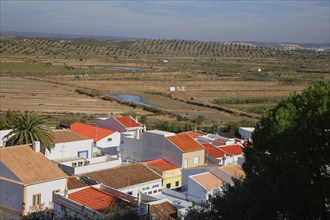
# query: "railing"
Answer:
x=41 y=207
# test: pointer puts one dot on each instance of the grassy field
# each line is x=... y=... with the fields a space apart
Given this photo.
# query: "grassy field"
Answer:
x=222 y=80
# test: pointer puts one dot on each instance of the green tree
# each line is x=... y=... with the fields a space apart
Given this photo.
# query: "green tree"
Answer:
x=7 y=120
x=287 y=170
x=29 y=127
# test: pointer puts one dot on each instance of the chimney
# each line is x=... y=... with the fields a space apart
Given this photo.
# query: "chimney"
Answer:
x=137 y=133
x=139 y=198
x=36 y=146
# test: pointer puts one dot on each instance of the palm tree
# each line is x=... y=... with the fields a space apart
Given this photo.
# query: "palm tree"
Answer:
x=28 y=127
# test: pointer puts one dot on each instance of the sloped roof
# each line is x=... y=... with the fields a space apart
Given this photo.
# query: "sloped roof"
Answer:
x=184 y=142
x=29 y=166
x=234 y=170
x=231 y=150
x=62 y=136
x=128 y=122
x=123 y=176
x=74 y=183
x=90 y=131
x=208 y=180
x=96 y=199
x=213 y=151
x=164 y=210
x=161 y=164
x=194 y=134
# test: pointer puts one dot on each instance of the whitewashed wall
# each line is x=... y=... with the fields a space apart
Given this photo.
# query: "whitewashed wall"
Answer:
x=3 y=133
x=11 y=195
x=70 y=149
x=45 y=189
x=196 y=192
x=110 y=123
x=155 y=185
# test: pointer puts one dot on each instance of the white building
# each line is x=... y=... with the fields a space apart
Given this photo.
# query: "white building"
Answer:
x=129 y=179
x=202 y=186
x=105 y=140
x=246 y=132
x=67 y=144
x=28 y=180
x=95 y=202
x=178 y=149
x=3 y=133
x=122 y=124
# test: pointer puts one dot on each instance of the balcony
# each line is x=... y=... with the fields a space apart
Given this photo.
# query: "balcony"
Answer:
x=41 y=207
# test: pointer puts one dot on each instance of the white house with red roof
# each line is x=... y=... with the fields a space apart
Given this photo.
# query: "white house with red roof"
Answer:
x=106 y=140
x=179 y=149
x=96 y=202
x=125 y=124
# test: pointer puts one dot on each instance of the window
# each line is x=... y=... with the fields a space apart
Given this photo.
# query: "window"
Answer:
x=130 y=193
x=196 y=160
x=145 y=188
x=109 y=139
x=155 y=186
x=177 y=183
x=54 y=191
x=83 y=154
x=168 y=185
x=155 y=191
x=185 y=165
x=36 y=199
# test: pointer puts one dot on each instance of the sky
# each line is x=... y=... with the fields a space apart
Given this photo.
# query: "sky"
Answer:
x=262 y=20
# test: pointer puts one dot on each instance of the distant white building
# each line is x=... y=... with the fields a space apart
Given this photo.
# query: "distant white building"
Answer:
x=3 y=140
x=246 y=132
x=124 y=124
x=105 y=140
x=28 y=180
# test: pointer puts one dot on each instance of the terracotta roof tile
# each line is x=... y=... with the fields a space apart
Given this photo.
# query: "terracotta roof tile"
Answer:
x=231 y=150
x=208 y=180
x=161 y=164
x=90 y=131
x=194 y=134
x=124 y=176
x=62 y=136
x=74 y=183
x=213 y=151
x=234 y=170
x=97 y=199
x=164 y=210
x=128 y=122
x=184 y=142
x=29 y=166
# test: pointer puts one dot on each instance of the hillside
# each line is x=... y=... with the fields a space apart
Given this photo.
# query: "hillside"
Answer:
x=86 y=47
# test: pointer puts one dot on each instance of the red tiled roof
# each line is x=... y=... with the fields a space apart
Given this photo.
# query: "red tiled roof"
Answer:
x=128 y=122
x=161 y=164
x=90 y=131
x=96 y=199
x=185 y=142
x=194 y=134
x=213 y=151
x=231 y=150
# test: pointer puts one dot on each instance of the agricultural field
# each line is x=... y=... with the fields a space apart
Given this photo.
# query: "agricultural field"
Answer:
x=222 y=81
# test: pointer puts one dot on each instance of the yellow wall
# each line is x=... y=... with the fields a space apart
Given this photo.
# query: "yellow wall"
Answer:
x=171 y=176
x=190 y=156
